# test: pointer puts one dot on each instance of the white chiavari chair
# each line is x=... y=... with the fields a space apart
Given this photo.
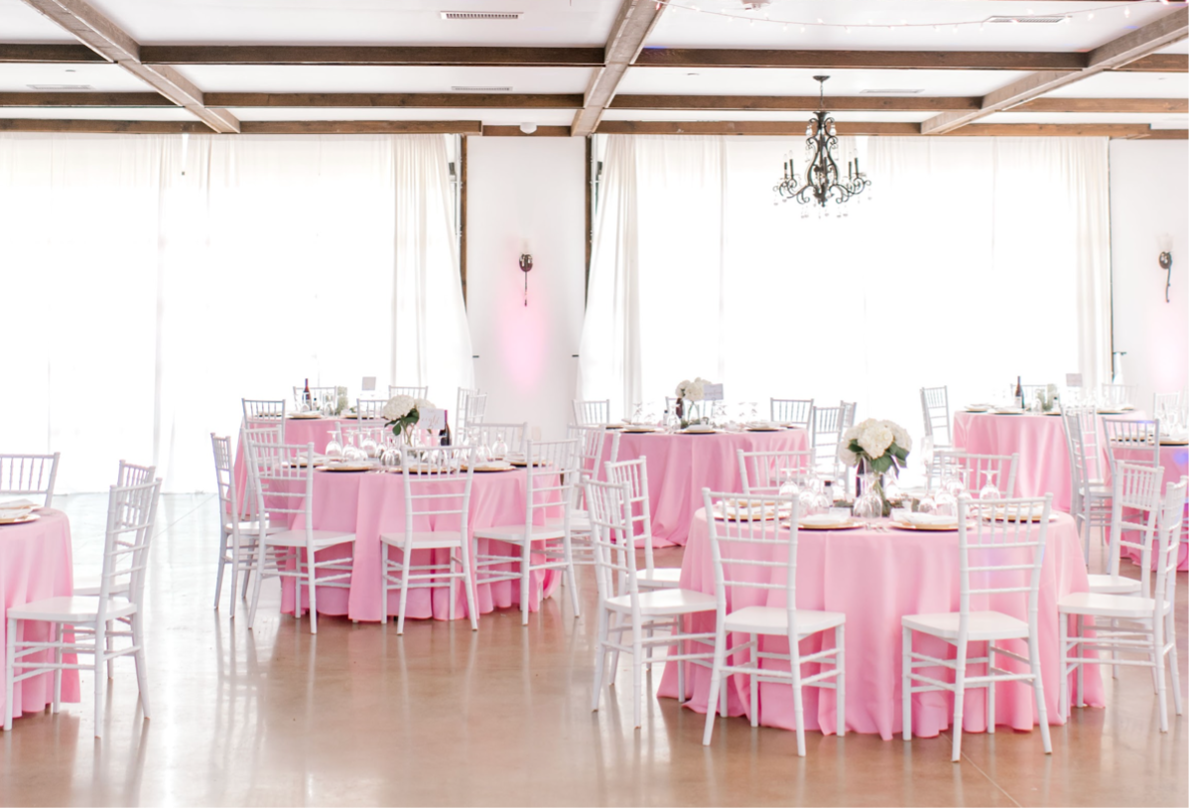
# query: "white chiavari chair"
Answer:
x=1168 y=406
x=623 y=607
x=755 y=552
x=977 y=470
x=29 y=475
x=1091 y=499
x=763 y=472
x=1117 y=395
x=826 y=430
x=936 y=415
x=634 y=474
x=436 y=525
x=1150 y=630
x=592 y=412
x=471 y=407
x=370 y=414
x=847 y=417
x=260 y=414
x=1124 y=438
x=414 y=392
x=127 y=476
x=1000 y=554
x=131 y=514
x=592 y=442
x=490 y=436
x=284 y=488
x=792 y=412
x=551 y=475
x=237 y=531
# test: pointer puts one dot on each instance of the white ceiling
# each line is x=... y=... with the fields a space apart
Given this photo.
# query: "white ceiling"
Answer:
x=680 y=27
x=361 y=22
x=372 y=79
x=20 y=23
x=100 y=76
x=1171 y=120
x=756 y=115
x=501 y=116
x=797 y=82
x=100 y=113
x=1110 y=85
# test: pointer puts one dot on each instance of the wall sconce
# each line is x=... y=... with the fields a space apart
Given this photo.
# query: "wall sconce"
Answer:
x=1165 y=261
x=526 y=265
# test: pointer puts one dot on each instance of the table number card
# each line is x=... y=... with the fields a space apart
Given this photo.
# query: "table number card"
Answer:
x=369 y=385
x=713 y=391
x=1074 y=379
x=432 y=419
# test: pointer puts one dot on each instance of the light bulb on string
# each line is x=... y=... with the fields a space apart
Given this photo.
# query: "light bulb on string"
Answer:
x=1091 y=16
x=1126 y=11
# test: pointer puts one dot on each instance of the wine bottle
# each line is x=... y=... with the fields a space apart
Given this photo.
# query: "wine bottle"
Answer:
x=444 y=436
x=306 y=395
x=1021 y=398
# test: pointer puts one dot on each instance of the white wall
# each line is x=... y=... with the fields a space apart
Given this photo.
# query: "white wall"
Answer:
x=1148 y=185
x=526 y=190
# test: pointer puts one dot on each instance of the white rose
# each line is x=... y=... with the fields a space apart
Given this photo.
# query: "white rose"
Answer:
x=397 y=407
x=680 y=390
x=695 y=390
x=900 y=435
x=848 y=456
x=875 y=440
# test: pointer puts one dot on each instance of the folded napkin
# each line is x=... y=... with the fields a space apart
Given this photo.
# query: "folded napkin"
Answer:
x=823 y=520
x=18 y=504
x=8 y=514
x=930 y=520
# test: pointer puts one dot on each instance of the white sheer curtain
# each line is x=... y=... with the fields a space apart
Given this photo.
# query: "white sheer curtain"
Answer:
x=158 y=299
x=973 y=262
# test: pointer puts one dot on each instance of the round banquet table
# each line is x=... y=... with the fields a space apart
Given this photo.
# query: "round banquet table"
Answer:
x=372 y=503
x=298 y=431
x=875 y=578
x=36 y=563
x=1038 y=441
x=680 y=466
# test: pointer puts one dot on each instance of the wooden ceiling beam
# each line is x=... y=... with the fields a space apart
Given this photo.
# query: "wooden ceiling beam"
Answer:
x=509 y=131
x=856 y=60
x=108 y=40
x=700 y=102
x=1157 y=63
x=634 y=21
x=564 y=101
x=83 y=99
x=1050 y=104
x=791 y=128
x=1135 y=45
x=361 y=127
x=1165 y=135
x=29 y=53
x=371 y=55
x=87 y=125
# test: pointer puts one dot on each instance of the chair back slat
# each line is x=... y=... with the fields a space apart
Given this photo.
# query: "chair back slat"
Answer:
x=763 y=472
x=1001 y=548
x=613 y=552
x=436 y=482
x=792 y=412
x=225 y=481
x=29 y=475
x=471 y=407
x=635 y=474
x=415 y=392
x=936 y=415
x=1169 y=542
x=1124 y=438
x=488 y=435
x=551 y=476
x=282 y=477
x=592 y=412
x=975 y=470
x=1136 y=502
x=132 y=511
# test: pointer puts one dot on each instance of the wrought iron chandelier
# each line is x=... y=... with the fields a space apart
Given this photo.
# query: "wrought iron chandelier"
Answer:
x=821 y=182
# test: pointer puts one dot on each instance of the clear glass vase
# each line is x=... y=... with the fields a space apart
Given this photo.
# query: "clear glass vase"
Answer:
x=869 y=505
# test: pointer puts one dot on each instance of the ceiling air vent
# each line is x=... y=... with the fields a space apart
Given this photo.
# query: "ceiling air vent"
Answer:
x=481 y=88
x=481 y=15
x=895 y=91
x=59 y=87
x=1036 y=19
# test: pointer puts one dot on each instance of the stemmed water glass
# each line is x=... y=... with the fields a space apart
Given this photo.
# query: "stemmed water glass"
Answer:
x=990 y=489
x=334 y=449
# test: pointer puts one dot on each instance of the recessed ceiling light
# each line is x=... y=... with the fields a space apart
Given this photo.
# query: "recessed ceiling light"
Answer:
x=903 y=91
x=59 y=87
x=692 y=74
x=481 y=15
x=481 y=88
x=1051 y=20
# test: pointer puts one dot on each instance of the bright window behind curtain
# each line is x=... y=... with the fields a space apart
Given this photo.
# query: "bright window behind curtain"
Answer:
x=973 y=262
x=272 y=259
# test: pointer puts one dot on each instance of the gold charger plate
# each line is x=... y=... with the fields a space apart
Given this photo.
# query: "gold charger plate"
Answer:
x=929 y=528
x=346 y=469
x=32 y=517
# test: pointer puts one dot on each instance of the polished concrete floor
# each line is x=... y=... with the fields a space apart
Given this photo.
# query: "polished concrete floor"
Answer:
x=445 y=717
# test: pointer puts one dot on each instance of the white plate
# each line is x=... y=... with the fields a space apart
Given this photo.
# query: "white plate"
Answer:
x=30 y=517
x=492 y=466
x=1009 y=411
x=930 y=521
x=828 y=522
x=346 y=467
x=930 y=528
x=305 y=416
x=638 y=430
x=694 y=430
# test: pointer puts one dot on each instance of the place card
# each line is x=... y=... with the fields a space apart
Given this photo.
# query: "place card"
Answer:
x=713 y=391
x=368 y=385
x=432 y=419
x=1074 y=379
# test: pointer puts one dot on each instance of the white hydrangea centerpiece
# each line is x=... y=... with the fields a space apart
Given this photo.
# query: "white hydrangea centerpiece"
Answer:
x=688 y=391
x=403 y=412
x=878 y=445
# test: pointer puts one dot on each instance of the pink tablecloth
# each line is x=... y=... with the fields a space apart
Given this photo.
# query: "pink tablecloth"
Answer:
x=1038 y=441
x=680 y=466
x=874 y=579
x=35 y=563
x=1173 y=459
x=369 y=504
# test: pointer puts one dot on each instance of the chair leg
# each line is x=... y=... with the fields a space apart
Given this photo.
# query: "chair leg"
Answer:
x=841 y=704
x=526 y=574
x=681 y=663
x=10 y=655
x=1116 y=668
x=450 y=584
x=957 y=724
x=469 y=585
x=1039 y=693
x=713 y=695
x=1175 y=685
x=223 y=534
x=753 y=682
x=406 y=567
x=638 y=675
x=235 y=576
x=990 y=697
x=108 y=642
x=1064 y=669
x=101 y=647
x=311 y=589
x=384 y=583
x=142 y=670
x=1079 y=666
x=59 y=631
x=1158 y=669
x=569 y=573
x=907 y=666
x=796 y=679
x=601 y=659
x=256 y=583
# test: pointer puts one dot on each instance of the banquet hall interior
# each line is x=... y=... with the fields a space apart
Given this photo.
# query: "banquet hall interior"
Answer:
x=594 y=403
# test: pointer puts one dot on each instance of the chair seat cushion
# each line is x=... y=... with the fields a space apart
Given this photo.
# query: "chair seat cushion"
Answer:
x=981 y=625
x=424 y=539
x=666 y=602
x=321 y=538
x=70 y=609
x=1113 y=585
x=662 y=577
x=514 y=533
x=773 y=620
x=1121 y=606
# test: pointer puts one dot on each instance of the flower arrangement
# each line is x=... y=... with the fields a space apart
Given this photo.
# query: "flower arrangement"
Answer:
x=879 y=445
x=688 y=391
x=402 y=413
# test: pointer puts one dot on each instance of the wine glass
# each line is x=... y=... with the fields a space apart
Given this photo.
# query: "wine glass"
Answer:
x=806 y=496
x=788 y=487
x=334 y=449
x=368 y=442
x=946 y=504
x=823 y=500
x=990 y=489
x=500 y=448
